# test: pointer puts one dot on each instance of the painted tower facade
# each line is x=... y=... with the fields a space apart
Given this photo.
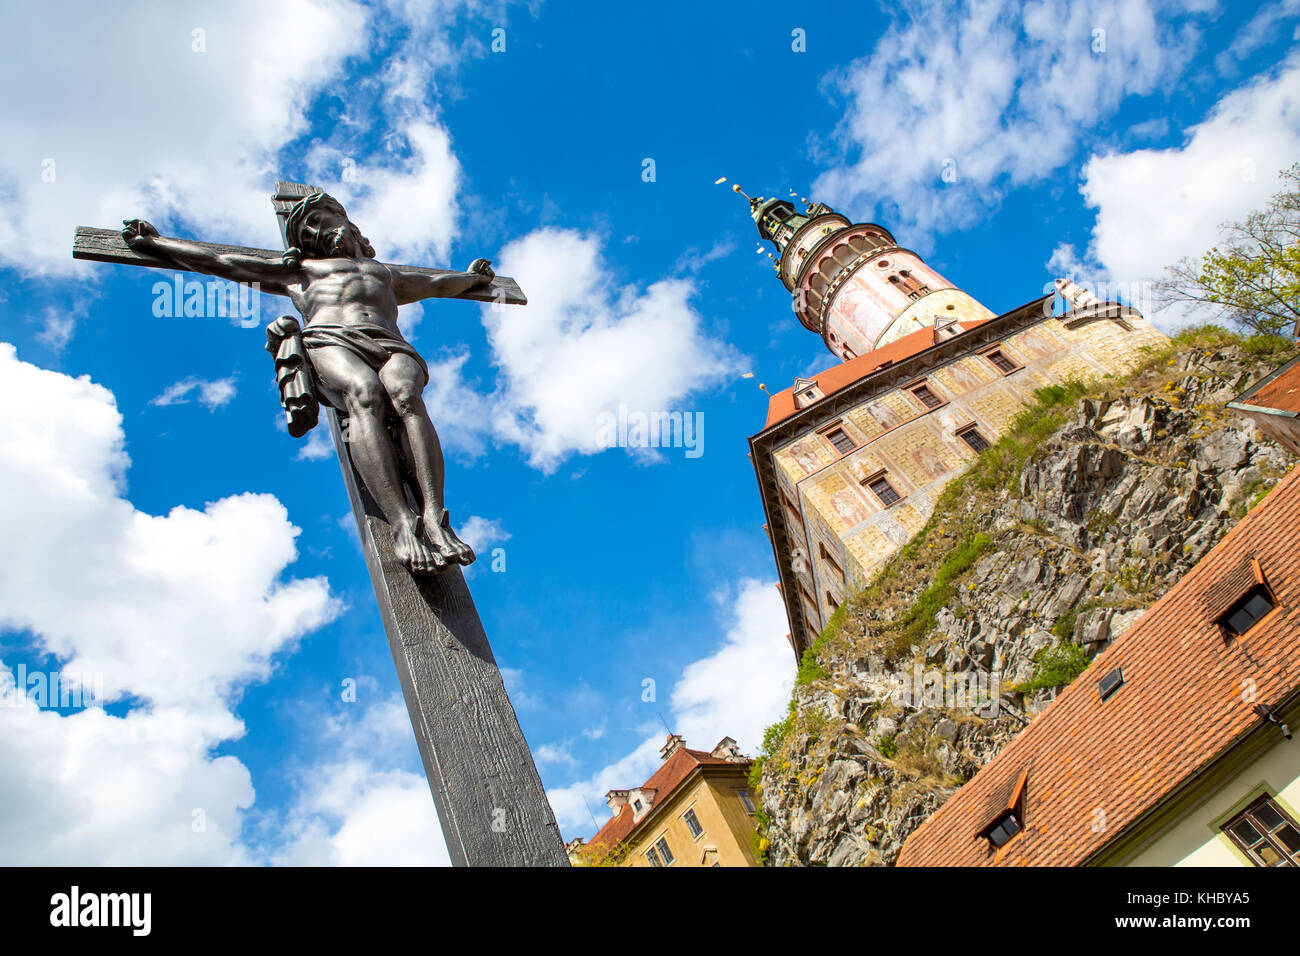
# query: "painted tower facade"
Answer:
x=851 y=461
x=852 y=283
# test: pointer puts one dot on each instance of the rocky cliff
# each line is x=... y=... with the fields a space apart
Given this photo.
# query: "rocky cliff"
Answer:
x=1056 y=539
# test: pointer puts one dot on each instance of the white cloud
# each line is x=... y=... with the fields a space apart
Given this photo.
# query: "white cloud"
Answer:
x=408 y=195
x=107 y=589
x=318 y=446
x=58 y=324
x=457 y=411
x=409 y=317
x=553 y=753
x=997 y=93
x=1267 y=24
x=212 y=394
x=1155 y=206
x=737 y=691
x=175 y=133
x=576 y=804
x=91 y=789
x=743 y=686
x=355 y=814
x=355 y=810
x=583 y=346
x=481 y=533
x=520 y=696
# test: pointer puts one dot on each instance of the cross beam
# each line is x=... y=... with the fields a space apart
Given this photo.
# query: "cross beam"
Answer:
x=107 y=245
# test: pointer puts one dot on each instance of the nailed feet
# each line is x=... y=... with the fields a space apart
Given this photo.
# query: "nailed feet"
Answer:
x=427 y=545
x=414 y=551
x=437 y=531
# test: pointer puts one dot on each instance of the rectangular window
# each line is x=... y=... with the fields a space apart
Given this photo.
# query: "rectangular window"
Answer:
x=809 y=605
x=974 y=439
x=1004 y=828
x=665 y=854
x=883 y=490
x=1246 y=611
x=999 y=359
x=830 y=559
x=1266 y=834
x=927 y=397
x=1108 y=685
x=745 y=800
x=842 y=442
x=653 y=857
x=790 y=505
x=693 y=823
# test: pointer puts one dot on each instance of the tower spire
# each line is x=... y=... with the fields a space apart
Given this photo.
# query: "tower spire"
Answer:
x=852 y=283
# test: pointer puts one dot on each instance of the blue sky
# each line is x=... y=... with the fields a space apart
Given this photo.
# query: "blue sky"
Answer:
x=162 y=529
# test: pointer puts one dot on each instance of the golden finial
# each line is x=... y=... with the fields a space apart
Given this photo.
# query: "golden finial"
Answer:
x=760 y=384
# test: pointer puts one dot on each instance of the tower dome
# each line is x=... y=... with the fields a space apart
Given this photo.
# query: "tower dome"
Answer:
x=852 y=283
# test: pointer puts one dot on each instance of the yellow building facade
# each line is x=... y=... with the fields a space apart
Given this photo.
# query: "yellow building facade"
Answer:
x=695 y=810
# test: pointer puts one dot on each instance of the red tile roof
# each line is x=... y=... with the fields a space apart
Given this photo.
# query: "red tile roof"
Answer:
x=1280 y=390
x=781 y=405
x=1179 y=708
x=664 y=780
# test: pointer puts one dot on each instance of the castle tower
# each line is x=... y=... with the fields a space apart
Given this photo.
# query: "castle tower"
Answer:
x=851 y=461
x=852 y=283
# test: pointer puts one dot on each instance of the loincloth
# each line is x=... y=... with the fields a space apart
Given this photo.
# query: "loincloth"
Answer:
x=373 y=344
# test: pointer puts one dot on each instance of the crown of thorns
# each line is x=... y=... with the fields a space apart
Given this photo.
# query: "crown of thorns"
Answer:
x=318 y=200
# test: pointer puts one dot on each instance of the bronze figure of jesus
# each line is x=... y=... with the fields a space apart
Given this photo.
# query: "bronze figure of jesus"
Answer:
x=358 y=360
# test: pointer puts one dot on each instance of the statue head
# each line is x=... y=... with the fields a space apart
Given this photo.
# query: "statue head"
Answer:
x=319 y=227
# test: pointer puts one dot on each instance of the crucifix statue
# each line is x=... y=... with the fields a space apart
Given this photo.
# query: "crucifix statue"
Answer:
x=349 y=356
x=355 y=357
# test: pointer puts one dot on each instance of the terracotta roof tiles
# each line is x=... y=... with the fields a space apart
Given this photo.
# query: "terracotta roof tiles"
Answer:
x=1280 y=390
x=1098 y=766
x=781 y=405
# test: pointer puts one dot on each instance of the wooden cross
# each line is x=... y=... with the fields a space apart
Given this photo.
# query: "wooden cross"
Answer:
x=486 y=788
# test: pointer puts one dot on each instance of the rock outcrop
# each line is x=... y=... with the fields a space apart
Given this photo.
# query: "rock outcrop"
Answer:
x=1017 y=580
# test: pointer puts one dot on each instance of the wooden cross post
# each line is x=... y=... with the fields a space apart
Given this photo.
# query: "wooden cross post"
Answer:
x=486 y=788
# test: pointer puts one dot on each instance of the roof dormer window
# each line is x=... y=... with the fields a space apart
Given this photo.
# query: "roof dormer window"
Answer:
x=1010 y=818
x=1246 y=611
x=806 y=391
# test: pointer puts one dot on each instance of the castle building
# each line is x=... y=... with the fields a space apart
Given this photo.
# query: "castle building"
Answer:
x=1175 y=747
x=851 y=461
x=695 y=810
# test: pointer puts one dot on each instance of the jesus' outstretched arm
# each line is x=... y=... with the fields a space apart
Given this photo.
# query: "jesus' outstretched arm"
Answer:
x=414 y=286
x=272 y=275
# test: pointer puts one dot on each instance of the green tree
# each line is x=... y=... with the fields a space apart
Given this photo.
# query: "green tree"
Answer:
x=1252 y=277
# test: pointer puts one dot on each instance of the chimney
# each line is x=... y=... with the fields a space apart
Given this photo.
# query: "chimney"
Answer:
x=1076 y=295
x=675 y=743
x=728 y=749
x=616 y=799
